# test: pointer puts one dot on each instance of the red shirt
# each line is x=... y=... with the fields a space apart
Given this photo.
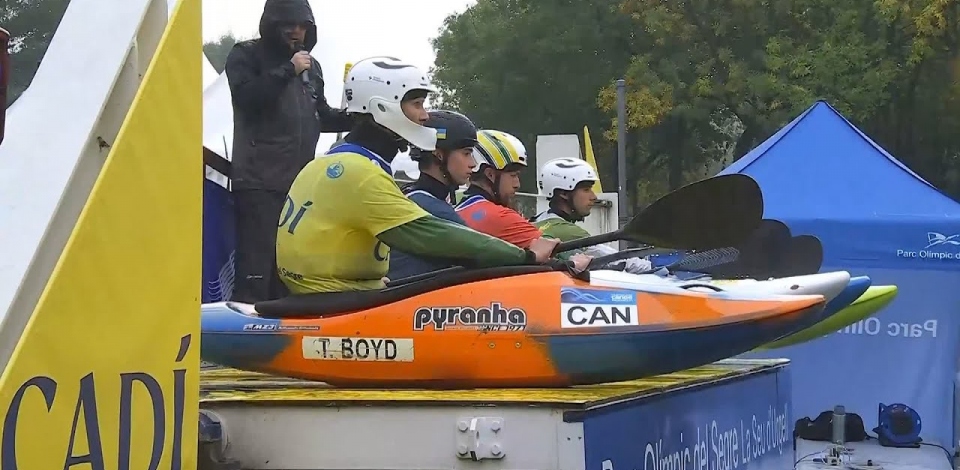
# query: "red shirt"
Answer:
x=498 y=221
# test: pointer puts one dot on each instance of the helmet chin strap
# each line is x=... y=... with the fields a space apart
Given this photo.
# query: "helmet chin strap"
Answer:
x=371 y=132
x=402 y=143
x=495 y=188
x=570 y=214
x=448 y=178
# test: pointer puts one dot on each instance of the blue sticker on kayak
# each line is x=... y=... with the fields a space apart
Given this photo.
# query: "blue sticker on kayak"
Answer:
x=597 y=296
x=593 y=308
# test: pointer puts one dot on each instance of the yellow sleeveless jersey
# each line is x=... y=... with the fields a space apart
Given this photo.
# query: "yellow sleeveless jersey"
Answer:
x=336 y=207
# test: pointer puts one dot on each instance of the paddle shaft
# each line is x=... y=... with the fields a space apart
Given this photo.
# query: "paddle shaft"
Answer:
x=588 y=241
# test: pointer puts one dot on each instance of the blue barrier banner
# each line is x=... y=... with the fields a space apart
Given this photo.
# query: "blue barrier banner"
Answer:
x=218 y=243
x=906 y=353
x=822 y=176
x=740 y=424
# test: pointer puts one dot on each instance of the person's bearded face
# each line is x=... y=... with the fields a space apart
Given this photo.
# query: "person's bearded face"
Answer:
x=295 y=34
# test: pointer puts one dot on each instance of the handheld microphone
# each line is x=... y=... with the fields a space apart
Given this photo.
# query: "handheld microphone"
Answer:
x=305 y=75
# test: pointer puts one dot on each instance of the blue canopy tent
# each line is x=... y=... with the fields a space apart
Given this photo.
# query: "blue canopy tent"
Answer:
x=821 y=175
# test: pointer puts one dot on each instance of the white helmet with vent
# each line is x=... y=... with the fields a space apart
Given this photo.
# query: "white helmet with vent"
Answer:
x=564 y=174
x=377 y=85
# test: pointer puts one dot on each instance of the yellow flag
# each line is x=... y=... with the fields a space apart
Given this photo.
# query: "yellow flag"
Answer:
x=588 y=151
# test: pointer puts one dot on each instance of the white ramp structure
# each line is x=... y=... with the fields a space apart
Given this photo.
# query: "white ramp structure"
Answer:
x=58 y=137
x=100 y=224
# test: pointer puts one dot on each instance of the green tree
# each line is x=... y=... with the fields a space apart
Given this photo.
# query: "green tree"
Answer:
x=702 y=64
x=218 y=50
x=760 y=64
x=709 y=79
x=532 y=67
x=889 y=67
x=31 y=24
x=921 y=122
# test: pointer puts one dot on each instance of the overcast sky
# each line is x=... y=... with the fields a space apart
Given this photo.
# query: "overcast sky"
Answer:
x=348 y=30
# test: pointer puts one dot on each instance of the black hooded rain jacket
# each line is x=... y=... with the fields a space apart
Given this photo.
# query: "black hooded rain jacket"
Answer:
x=277 y=118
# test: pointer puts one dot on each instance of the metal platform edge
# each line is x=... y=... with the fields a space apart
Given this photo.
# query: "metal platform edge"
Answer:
x=263 y=390
x=754 y=367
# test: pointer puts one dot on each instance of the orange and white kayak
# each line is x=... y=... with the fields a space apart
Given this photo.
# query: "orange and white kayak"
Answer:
x=526 y=326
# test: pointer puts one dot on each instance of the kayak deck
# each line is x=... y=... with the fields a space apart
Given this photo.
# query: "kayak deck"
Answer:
x=230 y=386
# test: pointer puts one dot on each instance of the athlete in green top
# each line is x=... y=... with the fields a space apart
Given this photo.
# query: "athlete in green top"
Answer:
x=568 y=184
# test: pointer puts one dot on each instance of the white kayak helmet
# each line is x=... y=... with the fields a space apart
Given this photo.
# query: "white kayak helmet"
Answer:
x=564 y=174
x=377 y=85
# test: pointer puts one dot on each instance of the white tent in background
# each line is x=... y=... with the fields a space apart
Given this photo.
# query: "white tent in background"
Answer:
x=209 y=73
x=218 y=117
x=217 y=124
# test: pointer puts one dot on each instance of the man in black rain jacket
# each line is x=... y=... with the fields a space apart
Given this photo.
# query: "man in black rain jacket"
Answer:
x=278 y=116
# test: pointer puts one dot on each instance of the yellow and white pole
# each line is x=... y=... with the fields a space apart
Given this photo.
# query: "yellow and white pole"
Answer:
x=343 y=96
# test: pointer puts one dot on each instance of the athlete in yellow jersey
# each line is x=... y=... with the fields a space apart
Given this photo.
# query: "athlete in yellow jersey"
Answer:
x=344 y=210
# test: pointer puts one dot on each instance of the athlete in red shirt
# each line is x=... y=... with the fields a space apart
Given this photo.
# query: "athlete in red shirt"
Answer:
x=493 y=187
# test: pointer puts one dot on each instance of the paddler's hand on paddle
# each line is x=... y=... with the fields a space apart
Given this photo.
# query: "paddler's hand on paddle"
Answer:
x=542 y=248
x=580 y=261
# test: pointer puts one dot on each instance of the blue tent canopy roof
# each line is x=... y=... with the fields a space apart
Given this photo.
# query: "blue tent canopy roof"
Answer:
x=821 y=175
x=821 y=165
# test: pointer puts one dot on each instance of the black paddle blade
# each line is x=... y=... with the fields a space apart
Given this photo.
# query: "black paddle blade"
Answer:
x=759 y=255
x=803 y=256
x=717 y=212
x=769 y=231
